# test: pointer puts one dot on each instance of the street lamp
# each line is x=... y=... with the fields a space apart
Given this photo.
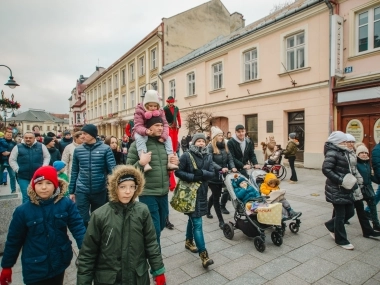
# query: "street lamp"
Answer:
x=6 y=104
x=11 y=83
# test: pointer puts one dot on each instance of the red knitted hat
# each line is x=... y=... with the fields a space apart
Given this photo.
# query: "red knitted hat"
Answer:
x=45 y=173
x=170 y=99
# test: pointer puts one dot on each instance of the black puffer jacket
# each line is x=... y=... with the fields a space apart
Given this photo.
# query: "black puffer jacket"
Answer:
x=203 y=160
x=222 y=160
x=335 y=167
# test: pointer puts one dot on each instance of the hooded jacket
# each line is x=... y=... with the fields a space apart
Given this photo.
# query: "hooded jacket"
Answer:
x=64 y=143
x=335 y=167
x=222 y=160
x=265 y=189
x=245 y=194
x=120 y=239
x=39 y=228
x=185 y=172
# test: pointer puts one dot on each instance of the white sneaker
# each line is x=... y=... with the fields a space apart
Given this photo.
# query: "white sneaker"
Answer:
x=332 y=235
x=348 y=246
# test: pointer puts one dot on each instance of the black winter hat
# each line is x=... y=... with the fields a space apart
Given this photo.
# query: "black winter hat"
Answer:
x=50 y=134
x=152 y=121
x=47 y=140
x=91 y=129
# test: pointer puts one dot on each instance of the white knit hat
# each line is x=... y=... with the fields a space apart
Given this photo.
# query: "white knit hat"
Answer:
x=337 y=137
x=215 y=131
x=361 y=148
x=151 y=96
x=350 y=138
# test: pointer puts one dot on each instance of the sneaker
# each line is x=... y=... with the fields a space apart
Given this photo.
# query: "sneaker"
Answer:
x=292 y=182
x=169 y=225
x=347 y=246
x=224 y=210
x=293 y=214
x=13 y=192
x=376 y=227
x=347 y=223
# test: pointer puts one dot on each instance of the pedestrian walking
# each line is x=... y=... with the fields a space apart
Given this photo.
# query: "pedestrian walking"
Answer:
x=25 y=158
x=290 y=154
x=39 y=229
x=375 y=161
x=92 y=162
x=111 y=141
x=65 y=141
x=67 y=155
x=123 y=227
x=55 y=155
x=10 y=144
x=203 y=172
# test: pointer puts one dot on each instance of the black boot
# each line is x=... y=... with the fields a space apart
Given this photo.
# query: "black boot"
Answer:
x=209 y=216
x=169 y=225
x=224 y=210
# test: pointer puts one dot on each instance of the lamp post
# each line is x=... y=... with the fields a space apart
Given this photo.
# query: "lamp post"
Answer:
x=11 y=83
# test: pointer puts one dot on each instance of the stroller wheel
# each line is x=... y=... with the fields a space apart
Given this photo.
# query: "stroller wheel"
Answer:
x=294 y=228
x=259 y=244
x=276 y=238
x=228 y=230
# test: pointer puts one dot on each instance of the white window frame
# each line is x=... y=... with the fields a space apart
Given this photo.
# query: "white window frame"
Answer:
x=190 y=83
x=153 y=58
x=217 y=75
x=110 y=110
x=123 y=76
x=252 y=64
x=104 y=88
x=109 y=84
x=105 y=109
x=116 y=104
x=132 y=98
x=370 y=29
x=131 y=72
x=96 y=112
x=298 y=61
x=124 y=102
x=141 y=66
x=172 y=89
x=116 y=81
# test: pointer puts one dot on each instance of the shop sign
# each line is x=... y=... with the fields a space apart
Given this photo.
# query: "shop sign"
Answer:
x=355 y=128
x=376 y=131
x=337 y=46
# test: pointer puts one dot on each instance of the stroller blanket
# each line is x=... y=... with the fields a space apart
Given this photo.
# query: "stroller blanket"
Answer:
x=276 y=196
x=270 y=215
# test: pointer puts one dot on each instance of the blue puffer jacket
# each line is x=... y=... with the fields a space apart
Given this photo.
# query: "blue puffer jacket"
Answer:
x=376 y=161
x=40 y=229
x=10 y=145
x=91 y=165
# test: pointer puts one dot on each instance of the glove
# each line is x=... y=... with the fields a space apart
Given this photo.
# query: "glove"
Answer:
x=6 y=276
x=160 y=280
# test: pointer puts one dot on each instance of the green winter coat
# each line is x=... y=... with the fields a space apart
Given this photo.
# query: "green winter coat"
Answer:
x=291 y=149
x=157 y=179
x=118 y=242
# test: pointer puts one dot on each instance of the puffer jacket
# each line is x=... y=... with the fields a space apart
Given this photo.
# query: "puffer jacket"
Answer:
x=375 y=159
x=64 y=143
x=364 y=168
x=222 y=160
x=157 y=179
x=39 y=228
x=291 y=148
x=353 y=163
x=54 y=155
x=335 y=167
x=203 y=161
x=91 y=165
x=120 y=239
x=139 y=122
x=265 y=189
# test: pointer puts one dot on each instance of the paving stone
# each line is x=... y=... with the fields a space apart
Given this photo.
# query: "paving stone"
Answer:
x=377 y=276
x=371 y=257
x=329 y=280
x=168 y=233
x=364 y=244
x=372 y=282
x=339 y=255
x=313 y=269
x=318 y=231
x=276 y=267
x=216 y=246
x=176 y=276
x=305 y=252
x=173 y=249
x=209 y=278
x=271 y=252
x=164 y=242
x=176 y=238
x=250 y=278
x=238 y=250
x=178 y=260
x=354 y=272
x=239 y=266
x=287 y=279
x=298 y=240
x=326 y=242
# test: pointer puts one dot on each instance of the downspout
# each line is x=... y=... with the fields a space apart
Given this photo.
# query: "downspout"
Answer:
x=163 y=60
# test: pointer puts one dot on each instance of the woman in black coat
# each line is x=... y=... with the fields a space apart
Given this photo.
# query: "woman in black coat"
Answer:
x=118 y=155
x=340 y=184
x=222 y=161
x=204 y=171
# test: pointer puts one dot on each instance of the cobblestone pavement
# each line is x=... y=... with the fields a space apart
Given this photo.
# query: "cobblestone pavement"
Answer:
x=309 y=257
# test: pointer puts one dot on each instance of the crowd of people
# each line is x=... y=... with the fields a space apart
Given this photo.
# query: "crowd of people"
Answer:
x=112 y=194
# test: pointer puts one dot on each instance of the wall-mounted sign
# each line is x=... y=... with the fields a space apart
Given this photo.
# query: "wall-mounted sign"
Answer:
x=348 y=69
x=337 y=46
x=355 y=128
x=376 y=131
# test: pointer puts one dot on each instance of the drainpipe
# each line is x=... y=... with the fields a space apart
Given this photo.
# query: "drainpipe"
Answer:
x=163 y=60
x=331 y=79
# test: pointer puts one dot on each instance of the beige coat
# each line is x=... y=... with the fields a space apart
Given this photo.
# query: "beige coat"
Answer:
x=67 y=157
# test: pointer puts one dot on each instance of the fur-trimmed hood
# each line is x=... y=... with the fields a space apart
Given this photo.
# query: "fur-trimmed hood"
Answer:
x=119 y=171
x=62 y=187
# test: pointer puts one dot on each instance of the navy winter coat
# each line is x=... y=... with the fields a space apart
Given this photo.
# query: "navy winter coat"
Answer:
x=91 y=165
x=203 y=160
x=39 y=228
x=222 y=160
x=335 y=167
x=10 y=145
x=64 y=143
x=376 y=161
x=240 y=158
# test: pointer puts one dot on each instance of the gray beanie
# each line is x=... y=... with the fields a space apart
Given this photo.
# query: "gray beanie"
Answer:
x=337 y=137
x=198 y=136
x=292 y=136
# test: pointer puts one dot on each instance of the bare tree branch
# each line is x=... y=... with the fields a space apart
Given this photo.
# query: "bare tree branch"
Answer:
x=198 y=121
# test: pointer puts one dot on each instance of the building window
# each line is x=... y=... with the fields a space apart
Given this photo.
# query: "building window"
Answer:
x=28 y=127
x=172 y=88
x=124 y=102
x=78 y=118
x=132 y=99
x=132 y=72
x=250 y=65
x=40 y=128
x=105 y=109
x=110 y=107
x=191 y=84
x=217 y=70
x=96 y=94
x=141 y=66
x=123 y=76
x=295 y=51
x=116 y=81
x=96 y=112
x=116 y=105
x=251 y=126
x=368 y=23
x=48 y=128
x=104 y=88
x=109 y=84
x=99 y=91
x=153 y=59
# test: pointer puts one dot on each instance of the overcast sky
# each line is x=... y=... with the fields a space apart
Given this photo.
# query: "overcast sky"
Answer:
x=48 y=44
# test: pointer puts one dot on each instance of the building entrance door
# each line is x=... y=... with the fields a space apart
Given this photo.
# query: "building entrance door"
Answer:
x=296 y=124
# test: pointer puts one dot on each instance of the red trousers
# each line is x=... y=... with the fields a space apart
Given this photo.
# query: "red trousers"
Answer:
x=173 y=133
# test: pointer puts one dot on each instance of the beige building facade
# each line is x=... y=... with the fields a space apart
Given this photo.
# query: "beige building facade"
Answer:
x=272 y=76
x=112 y=97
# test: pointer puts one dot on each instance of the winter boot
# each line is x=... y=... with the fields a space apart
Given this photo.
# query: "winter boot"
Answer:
x=376 y=227
x=209 y=216
x=206 y=261
x=190 y=245
x=168 y=224
x=224 y=210
x=293 y=214
x=171 y=166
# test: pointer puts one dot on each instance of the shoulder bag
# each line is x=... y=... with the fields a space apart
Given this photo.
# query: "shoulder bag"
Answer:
x=185 y=194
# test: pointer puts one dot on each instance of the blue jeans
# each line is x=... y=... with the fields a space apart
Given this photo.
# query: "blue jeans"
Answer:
x=12 y=176
x=87 y=203
x=159 y=210
x=24 y=183
x=377 y=198
x=194 y=231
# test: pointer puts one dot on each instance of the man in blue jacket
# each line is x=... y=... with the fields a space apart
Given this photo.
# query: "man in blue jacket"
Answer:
x=375 y=160
x=5 y=159
x=92 y=162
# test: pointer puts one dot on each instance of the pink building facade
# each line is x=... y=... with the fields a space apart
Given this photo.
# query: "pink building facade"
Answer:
x=272 y=76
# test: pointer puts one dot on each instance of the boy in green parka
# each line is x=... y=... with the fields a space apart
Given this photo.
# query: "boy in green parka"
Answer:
x=120 y=237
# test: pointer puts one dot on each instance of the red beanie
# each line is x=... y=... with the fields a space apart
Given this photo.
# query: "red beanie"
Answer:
x=45 y=173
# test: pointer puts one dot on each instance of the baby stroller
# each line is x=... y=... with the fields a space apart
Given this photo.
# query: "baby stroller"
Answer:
x=248 y=224
x=256 y=178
